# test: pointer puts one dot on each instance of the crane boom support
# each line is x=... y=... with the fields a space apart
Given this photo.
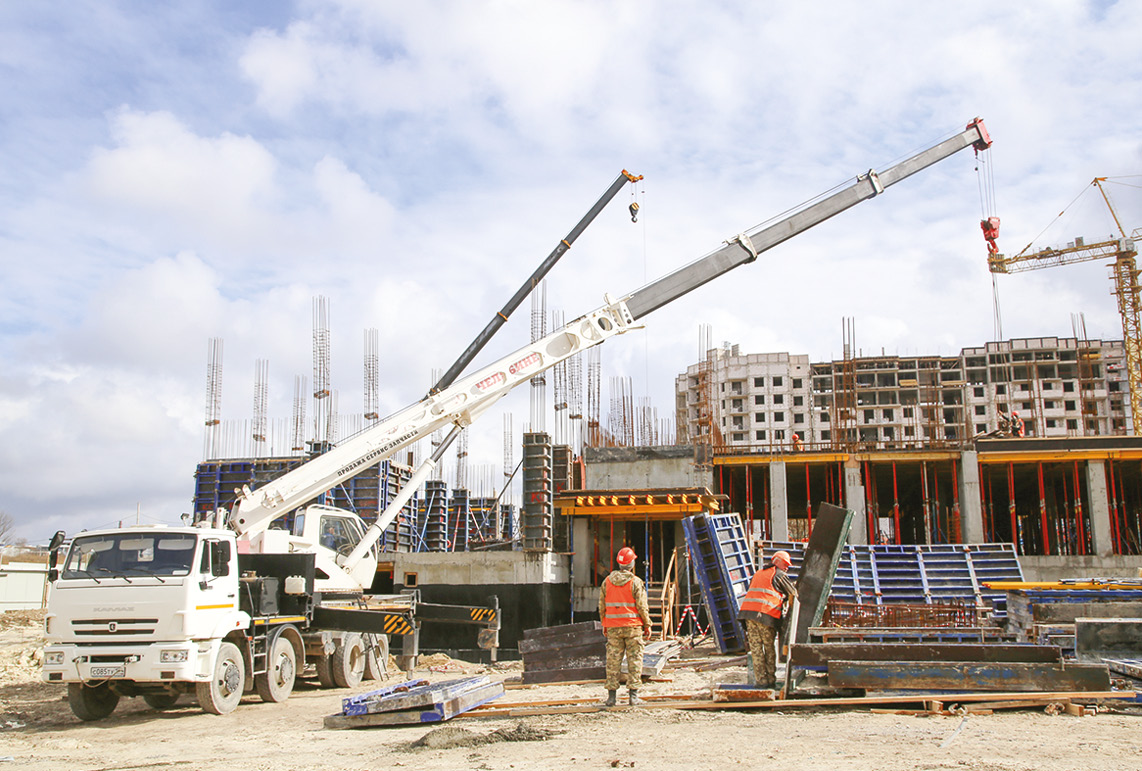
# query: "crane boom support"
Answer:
x=466 y=399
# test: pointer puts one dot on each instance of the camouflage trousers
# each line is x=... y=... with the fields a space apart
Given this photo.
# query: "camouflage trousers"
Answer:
x=624 y=640
x=762 y=645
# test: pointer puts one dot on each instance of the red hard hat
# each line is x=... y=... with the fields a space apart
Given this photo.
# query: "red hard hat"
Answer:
x=626 y=555
x=782 y=559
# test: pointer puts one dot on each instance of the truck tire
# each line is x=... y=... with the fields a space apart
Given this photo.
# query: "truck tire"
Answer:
x=376 y=656
x=323 y=668
x=91 y=702
x=160 y=701
x=221 y=694
x=276 y=683
x=348 y=661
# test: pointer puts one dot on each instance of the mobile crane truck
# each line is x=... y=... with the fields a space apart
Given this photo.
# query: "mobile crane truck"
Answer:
x=157 y=612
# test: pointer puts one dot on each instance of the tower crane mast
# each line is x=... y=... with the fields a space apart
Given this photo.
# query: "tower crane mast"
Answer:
x=1124 y=272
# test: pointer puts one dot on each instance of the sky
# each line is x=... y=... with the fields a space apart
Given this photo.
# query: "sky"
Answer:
x=177 y=172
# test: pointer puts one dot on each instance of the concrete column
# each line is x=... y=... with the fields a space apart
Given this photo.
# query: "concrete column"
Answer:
x=778 y=502
x=854 y=499
x=1099 y=508
x=582 y=552
x=971 y=506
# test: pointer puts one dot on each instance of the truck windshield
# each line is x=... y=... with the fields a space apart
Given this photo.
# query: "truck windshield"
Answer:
x=130 y=554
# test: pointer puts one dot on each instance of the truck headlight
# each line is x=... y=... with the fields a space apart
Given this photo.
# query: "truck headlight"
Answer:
x=53 y=658
x=171 y=657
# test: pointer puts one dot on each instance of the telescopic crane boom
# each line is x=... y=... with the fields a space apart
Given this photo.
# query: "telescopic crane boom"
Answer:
x=460 y=403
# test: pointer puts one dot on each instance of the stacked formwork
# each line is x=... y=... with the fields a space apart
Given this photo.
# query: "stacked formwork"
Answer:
x=433 y=516
x=536 y=521
x=561 y=480
x=509 y=515
x=460 y=521
x=402 y=534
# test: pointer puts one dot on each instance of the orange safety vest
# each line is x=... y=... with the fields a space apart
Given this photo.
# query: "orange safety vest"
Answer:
x=761 y=597
x=619 y=608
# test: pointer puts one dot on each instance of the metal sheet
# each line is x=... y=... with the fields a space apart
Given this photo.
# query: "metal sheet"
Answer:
x=936 y=675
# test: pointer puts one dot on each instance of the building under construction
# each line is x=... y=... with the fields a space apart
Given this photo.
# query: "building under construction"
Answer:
x=910 y=444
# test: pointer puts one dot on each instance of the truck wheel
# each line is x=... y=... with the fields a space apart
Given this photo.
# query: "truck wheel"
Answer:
x=91 y=702
x=376 y=656
x=276 y=683
x=221 y=694
x=160 y=701
x=348 y=662
x=323 y=667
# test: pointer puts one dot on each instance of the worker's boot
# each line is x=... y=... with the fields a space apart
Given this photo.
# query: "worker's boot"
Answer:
x=610 y=702
x=633 y=699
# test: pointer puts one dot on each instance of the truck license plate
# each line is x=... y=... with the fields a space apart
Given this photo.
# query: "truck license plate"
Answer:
x=109 y=671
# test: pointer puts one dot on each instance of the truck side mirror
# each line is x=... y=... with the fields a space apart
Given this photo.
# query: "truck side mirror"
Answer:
x=53 y=549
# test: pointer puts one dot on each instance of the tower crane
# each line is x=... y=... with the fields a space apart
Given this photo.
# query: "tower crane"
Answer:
x=1123 y=252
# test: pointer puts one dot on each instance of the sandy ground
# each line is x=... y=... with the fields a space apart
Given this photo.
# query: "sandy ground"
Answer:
x=38 y=731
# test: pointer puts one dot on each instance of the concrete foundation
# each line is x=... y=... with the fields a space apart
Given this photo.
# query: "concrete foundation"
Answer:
x=534 y=590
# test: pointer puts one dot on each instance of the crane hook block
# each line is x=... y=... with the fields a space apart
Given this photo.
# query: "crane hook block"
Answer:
x=990 y=227
x=634 y=212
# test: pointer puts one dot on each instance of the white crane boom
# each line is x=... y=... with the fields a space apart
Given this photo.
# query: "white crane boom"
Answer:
x=466 y=399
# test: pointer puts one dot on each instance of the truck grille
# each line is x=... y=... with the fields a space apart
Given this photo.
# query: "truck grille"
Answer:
x=113 y=627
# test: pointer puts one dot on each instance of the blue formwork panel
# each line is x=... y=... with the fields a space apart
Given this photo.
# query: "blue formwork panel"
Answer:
x=720 y=554
x=889 y=574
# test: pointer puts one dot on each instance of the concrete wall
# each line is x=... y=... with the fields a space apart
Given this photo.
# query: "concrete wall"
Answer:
x=643 y=468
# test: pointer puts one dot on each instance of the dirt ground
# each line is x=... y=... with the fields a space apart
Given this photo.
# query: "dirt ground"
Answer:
x=38 y=732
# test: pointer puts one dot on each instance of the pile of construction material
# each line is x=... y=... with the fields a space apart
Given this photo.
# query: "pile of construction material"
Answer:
x=415 y=701
x=578 y=652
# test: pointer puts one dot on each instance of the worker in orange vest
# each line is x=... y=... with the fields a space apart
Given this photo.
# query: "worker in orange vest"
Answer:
x=762 y=607
x=1017 y=428
x=625 y=614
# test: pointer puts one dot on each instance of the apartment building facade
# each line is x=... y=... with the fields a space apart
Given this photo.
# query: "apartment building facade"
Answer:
x=779 y=401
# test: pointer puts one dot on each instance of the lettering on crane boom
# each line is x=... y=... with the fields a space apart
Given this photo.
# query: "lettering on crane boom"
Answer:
x=349 y=468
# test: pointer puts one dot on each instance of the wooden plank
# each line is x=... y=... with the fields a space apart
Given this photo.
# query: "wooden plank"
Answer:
x=564 y=675
x=1019 y=703
x=783 y=704
x=820 y=654
x=436 y=713
x=558 y=641
x=938 y=675
x=565 y=629
x=578 y=656
x=735 y=692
